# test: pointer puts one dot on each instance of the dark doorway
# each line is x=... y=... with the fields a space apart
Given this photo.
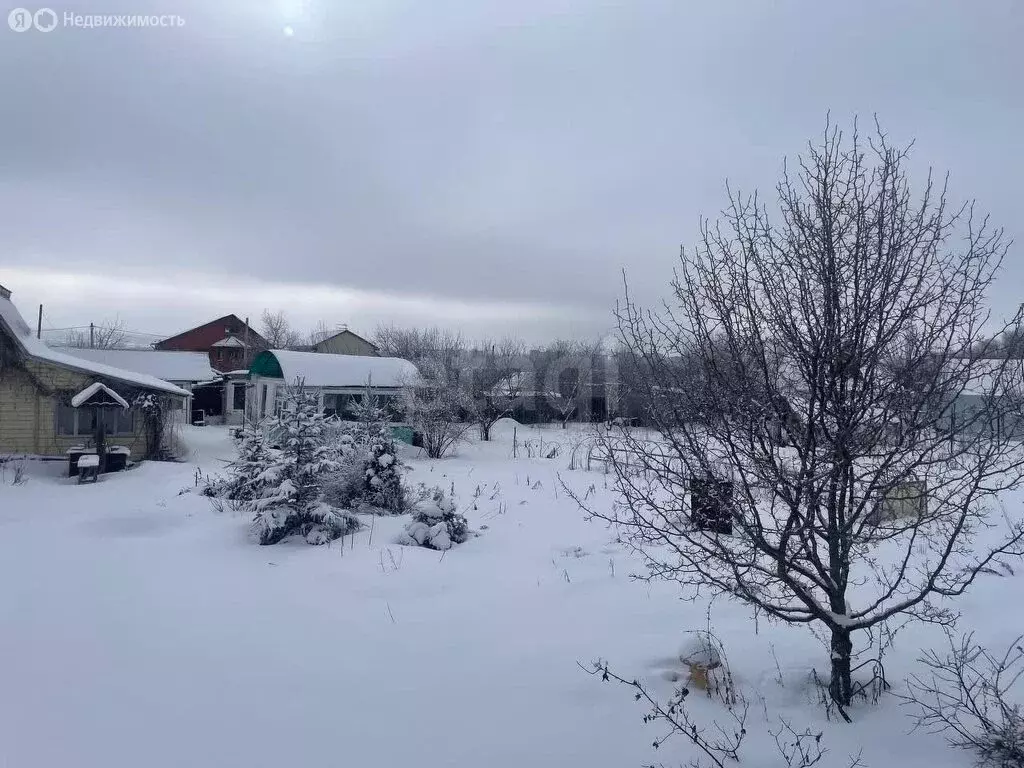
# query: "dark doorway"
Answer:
x=209 y=399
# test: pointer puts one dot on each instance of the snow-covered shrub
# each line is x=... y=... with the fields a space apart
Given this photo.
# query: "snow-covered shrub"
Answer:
x=369 y=474
x=368 y=478
x=320 y=523
x=345 y=486
x=291 y=482
x=382 y=474
x=435 y=523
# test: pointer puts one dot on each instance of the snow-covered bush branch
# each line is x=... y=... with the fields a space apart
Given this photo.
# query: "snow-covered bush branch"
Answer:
x=973 y=697
x=717 y=744
x=436 y=523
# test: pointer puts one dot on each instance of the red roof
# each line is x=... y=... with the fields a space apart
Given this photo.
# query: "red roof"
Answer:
x=209 y=337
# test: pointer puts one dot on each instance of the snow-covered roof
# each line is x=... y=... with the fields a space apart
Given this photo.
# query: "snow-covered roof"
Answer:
x=83 y=397
x=341 y=331
x=326 y=370
x=229 y=341
x=34 y=348
x=169 y=366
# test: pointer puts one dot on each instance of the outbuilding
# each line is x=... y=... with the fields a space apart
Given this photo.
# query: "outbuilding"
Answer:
x=183 y=369
x=47 y=405
x=339 y=380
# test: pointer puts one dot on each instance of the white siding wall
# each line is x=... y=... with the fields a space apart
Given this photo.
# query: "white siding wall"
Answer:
x=184 y=414
x=257 y=404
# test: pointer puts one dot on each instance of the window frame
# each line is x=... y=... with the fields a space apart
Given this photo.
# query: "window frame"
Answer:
x=235 y=389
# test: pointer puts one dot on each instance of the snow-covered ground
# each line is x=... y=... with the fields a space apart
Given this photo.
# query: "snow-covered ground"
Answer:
x=138 y=627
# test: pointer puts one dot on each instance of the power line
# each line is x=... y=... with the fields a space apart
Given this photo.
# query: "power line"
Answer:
x=126 y=331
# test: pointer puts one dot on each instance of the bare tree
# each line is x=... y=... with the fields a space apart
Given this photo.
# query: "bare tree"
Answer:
x=843 y=330
x=439 y=402
x=569 y=372
x=500 y=374
x=320 y=332
x=436 y=406
x=973 y=697
x=110 y=334
x=415 y=344
x=277 y=330
x=1011 y=343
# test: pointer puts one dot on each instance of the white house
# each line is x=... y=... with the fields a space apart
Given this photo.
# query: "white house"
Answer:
x=183 y=369
x=340 y=380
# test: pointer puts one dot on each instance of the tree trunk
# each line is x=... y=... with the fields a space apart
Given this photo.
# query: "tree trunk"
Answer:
x=841 y=683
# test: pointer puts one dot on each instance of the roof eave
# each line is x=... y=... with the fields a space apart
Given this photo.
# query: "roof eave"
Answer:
x=171 y=389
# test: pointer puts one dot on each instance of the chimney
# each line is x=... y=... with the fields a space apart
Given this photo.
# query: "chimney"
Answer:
x=4 y=293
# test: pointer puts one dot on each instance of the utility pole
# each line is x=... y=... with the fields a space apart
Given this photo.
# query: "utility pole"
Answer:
x=92 y=336
x=246 y=362
x=39 y=324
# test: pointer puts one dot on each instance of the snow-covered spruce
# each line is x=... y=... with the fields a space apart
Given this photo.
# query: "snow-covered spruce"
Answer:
x=435 y=523
x=243 y=479
x=291 y=481
x=382 y=475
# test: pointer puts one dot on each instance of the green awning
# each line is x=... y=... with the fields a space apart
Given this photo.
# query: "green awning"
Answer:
x=266 y=364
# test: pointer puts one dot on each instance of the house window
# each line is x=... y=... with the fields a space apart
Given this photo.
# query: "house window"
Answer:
x=81 y=422
x=330 y=405
x=263 y=401
x=238 y=397
x=390 y=404
x=118 y=421
x=66 y=419
x=341 y=405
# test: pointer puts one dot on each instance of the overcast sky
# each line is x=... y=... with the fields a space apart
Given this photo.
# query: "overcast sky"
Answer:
x=486 y=165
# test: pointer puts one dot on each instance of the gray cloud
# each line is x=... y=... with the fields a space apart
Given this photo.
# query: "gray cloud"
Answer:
x=429 y=157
